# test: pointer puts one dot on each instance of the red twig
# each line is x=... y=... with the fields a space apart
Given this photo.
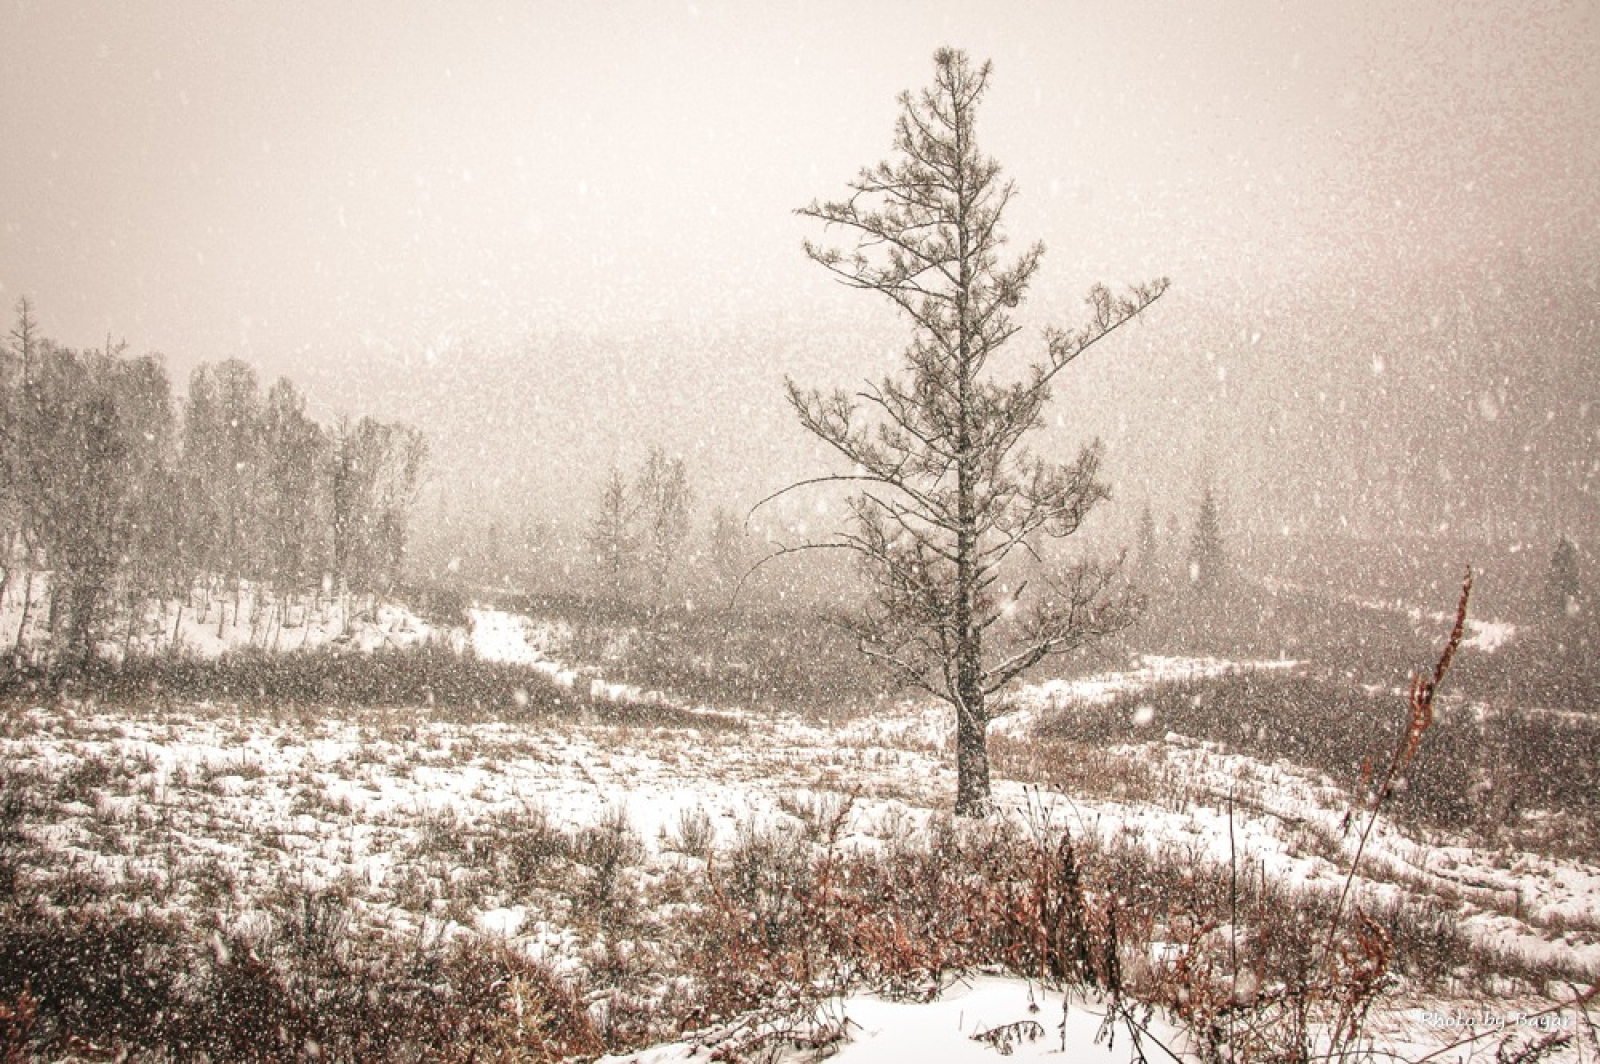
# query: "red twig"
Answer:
x=1423 y=689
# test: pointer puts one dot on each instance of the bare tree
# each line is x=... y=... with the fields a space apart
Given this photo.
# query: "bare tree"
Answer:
x=297 y=504
x=612 y=537
x=727 y=551
x=662 y=492
x=222 y=465
x=949 y=494
x=18 y=504
x=15 y=358
x=375 y=473
x=99 y=437
x=151 y=568
x=1149 y=548
x=404 y=453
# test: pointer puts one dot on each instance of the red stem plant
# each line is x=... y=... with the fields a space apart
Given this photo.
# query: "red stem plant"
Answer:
x=1423 y=689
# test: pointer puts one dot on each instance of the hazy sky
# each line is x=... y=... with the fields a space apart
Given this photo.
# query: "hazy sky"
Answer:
x=554 y=232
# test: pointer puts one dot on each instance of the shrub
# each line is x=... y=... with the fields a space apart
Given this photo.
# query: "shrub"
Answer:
x=456 y=686
x=694 y=834
x=1472 y=779
x=607 y=851
x=118 y=986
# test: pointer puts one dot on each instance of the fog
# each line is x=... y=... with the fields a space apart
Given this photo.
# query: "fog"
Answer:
x=474 y=584
x=552 y=237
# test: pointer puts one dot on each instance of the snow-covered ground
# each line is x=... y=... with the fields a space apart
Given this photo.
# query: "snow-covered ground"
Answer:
x=1030 y=700
x=971 y=1022
x=208 y=797
x=1485 y=634
x=208 y=624
x=224 y=807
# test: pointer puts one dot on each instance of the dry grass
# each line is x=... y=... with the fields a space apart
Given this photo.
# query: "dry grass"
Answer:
x=1482 y=771
x=748 y=945
x=439 y=682
x=747 y=942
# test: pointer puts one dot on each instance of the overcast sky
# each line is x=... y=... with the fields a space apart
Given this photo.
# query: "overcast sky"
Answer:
x=575 y=219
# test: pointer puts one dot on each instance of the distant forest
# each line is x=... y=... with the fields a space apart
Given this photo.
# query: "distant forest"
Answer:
x=127 y=495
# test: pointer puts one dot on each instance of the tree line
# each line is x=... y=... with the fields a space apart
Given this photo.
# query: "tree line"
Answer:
x=639 y=538
x=127 y=496
x=1208 y=571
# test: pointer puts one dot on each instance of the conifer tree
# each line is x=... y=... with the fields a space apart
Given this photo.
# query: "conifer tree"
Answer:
x=949 y=496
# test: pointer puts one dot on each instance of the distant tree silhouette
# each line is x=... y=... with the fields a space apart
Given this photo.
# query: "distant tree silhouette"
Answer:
x=376 y=471
x=1562 y=589
x=96 y=488
x=295 y=484
x=1149 y=561
x=661 y=492
x=1208 y=559
x=222 y=466
x=613 y=541
x=99 y=432
x=16 y=353
x=728 y=551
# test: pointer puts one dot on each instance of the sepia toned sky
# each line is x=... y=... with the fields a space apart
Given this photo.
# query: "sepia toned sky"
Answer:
x=552 y=233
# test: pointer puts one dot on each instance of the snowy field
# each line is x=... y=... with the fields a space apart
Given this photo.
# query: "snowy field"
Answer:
x=209 y=623
x=207 y=810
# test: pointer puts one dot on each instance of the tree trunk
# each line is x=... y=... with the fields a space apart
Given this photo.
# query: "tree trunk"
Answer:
x=283 y=615
x=972 y=719
x=257 y=636
x=22 y=624
x=972 y=762
x=80 y=632
x=8 y=554
x=127 y=636
x=52 y=622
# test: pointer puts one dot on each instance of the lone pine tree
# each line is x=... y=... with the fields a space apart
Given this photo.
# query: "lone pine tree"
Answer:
x=950 y=499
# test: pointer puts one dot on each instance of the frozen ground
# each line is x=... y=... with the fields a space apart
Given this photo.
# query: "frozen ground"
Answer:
x=972 y=1021
x=212 y=809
